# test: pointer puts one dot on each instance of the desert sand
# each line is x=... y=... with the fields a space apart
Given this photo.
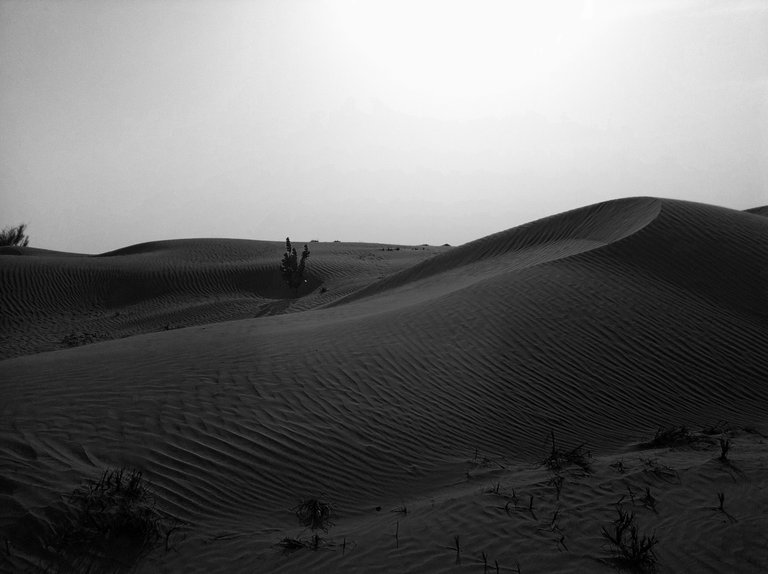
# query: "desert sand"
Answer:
x=416 y=389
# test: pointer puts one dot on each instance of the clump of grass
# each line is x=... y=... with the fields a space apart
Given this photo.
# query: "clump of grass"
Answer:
x=559 y=459
x=110 y=522
x=631 y=549
x=315 y=514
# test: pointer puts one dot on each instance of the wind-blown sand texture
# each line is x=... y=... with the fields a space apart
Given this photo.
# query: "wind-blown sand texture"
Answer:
x=402 y=386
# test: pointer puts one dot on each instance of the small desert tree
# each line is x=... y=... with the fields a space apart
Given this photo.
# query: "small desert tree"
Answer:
x=14 y=236
x=292 y=267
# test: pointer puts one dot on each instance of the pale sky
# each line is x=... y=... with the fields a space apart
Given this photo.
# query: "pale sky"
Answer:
x=393 y=121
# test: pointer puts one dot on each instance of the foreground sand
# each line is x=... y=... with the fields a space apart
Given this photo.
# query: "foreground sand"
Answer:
x=412 y=379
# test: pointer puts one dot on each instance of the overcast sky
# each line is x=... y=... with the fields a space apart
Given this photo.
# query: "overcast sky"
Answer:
x=396 y=121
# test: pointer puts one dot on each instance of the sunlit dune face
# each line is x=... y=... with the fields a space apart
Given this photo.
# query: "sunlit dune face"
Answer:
x=456 y=58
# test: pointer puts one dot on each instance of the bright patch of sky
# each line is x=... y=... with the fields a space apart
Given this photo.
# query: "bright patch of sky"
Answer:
x=386 y=121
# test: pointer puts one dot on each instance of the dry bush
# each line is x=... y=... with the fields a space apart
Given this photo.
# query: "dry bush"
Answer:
x=632 y=550
x=14 y=236
x=108 y=523
x=315 y=514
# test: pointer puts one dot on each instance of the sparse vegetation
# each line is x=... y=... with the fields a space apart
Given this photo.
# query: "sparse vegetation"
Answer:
x=315 y=514
x=631 y=550
x=109 y=523
x=292 y=267
x=14 y=236
x=559 y=459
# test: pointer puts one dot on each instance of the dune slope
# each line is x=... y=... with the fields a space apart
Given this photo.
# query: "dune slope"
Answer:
x=53 y=300
x=597 y=325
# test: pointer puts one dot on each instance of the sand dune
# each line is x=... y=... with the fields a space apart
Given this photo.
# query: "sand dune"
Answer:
x=54 y=300
x=412 y=378
x=762 y=210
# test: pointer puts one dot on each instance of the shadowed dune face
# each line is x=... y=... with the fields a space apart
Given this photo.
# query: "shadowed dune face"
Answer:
x=599 y=324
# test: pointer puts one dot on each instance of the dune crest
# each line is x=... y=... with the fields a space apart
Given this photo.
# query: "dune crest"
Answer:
x=531 y=244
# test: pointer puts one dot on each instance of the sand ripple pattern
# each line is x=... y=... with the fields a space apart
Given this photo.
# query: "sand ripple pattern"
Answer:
x=52 y=300
x=599 y=324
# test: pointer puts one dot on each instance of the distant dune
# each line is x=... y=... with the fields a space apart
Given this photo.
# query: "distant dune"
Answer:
x=759 y=210
x=53 y=300
x=402 y=384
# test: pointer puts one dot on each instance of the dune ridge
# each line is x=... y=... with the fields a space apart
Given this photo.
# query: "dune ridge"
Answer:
x=534 y=243
x=598 y=325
